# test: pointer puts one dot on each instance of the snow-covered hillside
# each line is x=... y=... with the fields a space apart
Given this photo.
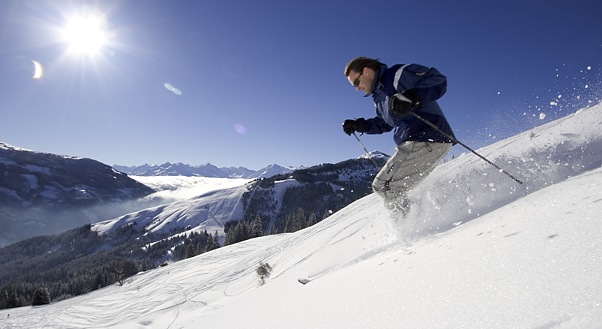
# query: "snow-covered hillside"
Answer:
x=205 y=212
x=477 y=250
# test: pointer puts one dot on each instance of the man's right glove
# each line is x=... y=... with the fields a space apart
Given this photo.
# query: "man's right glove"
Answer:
x=351 y=126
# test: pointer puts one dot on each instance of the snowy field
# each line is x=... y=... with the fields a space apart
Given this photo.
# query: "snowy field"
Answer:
x=477 y=250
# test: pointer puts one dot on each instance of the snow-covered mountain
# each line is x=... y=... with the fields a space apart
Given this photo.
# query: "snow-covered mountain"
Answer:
x=269 y=171
x=477 y=250
x=324 y=188
x=42 y=193
x=205 y=170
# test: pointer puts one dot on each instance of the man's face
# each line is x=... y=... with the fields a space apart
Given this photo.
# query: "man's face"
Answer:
x=362 y=81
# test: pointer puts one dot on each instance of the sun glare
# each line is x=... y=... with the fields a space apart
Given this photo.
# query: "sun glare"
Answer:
x=86 y=33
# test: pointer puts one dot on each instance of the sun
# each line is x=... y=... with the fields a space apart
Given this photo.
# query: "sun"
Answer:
x=86 y=33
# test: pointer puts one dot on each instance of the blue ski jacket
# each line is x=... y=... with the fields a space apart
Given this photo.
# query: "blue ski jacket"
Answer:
x=423 y=86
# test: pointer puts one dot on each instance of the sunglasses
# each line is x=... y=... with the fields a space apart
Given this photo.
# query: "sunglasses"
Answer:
x=356 y=82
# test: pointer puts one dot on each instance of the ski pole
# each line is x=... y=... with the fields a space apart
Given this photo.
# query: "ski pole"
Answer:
x=453 y=139
x=365 y=149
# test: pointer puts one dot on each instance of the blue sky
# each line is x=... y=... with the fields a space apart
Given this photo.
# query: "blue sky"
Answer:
x=261 y=82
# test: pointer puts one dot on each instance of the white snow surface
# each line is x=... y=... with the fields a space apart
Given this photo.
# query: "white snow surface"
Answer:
x=477 y=250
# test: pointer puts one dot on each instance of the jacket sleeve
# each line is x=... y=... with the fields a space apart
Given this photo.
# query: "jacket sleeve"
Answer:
x=419 y=83
x=376 y=125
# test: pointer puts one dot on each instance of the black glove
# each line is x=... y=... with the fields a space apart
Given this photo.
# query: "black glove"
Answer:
x=351 y=126
x=402 y=104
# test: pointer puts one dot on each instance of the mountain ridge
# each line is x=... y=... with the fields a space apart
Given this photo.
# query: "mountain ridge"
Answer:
x=49 y=193
x=212 y=171
x=204 y=170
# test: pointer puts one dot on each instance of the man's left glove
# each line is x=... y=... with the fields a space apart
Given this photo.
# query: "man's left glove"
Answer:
x=402 y=104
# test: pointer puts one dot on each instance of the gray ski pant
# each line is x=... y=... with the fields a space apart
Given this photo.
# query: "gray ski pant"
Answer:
x=410 y=164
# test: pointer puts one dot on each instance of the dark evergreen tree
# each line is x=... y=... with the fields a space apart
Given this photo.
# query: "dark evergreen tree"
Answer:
x=199 y=249
x=296 y=221
x=313 y=219
x=256 y=227
x=190 y=252
x=41 y=296
x=123 y=269
x=213 y=242
x=240 y=232
x=289 y=223
x=8 y=298
x=300 y=219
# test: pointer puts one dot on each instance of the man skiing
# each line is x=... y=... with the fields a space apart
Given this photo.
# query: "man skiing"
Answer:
x=398 y=91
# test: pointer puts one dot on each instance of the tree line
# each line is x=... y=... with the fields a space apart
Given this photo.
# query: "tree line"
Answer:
x=53 y=268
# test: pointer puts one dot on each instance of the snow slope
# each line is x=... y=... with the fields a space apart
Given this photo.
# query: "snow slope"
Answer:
x=205 y=212
x=477 y=250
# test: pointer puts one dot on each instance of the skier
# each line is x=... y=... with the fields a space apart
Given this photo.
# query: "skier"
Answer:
x=396 y=91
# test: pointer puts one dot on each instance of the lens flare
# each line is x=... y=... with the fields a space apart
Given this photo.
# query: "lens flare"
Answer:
x=240 y=129
x=173 y=89
x=38 y=71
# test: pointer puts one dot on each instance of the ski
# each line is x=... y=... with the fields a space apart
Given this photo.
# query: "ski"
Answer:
x=304 y=280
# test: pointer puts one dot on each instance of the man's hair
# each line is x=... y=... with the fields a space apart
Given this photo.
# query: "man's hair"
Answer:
x=358 y=64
